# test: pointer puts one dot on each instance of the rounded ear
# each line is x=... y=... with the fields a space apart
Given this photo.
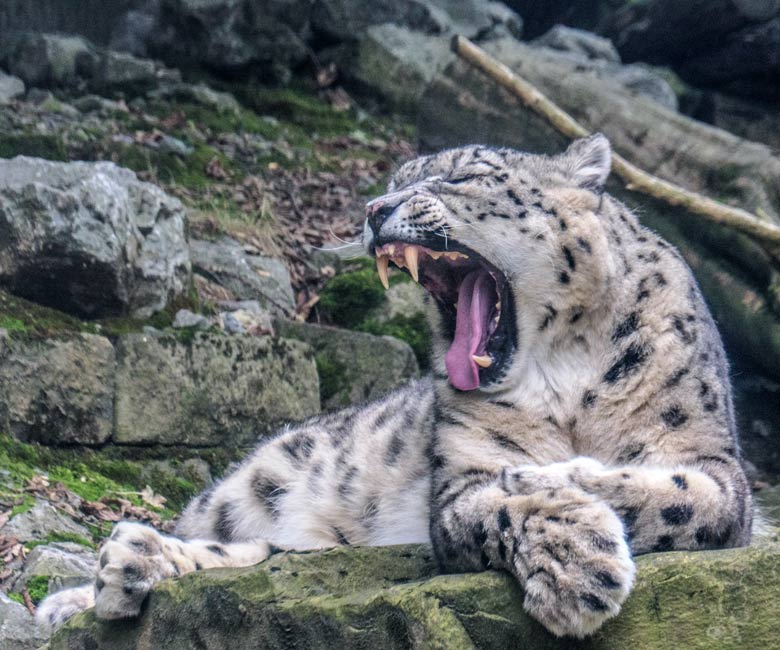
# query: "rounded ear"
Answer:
x=588 y=161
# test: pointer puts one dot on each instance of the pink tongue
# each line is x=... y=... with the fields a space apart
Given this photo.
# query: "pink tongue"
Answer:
x=475 y=301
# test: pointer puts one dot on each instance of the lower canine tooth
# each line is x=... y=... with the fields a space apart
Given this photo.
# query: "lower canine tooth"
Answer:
x=483 y=362
x=411 y=256
x=381 y=269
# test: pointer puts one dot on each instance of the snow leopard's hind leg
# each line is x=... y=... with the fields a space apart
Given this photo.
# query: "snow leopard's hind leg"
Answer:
x=357 y=476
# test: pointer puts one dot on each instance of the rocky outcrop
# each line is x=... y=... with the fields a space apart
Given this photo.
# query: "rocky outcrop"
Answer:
x=90 y=238
x=210 y=390
x=391 y=597
x=353 y=366
x=59 y=390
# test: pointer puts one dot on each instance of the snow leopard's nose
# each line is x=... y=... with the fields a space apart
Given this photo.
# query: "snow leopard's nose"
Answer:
x=378 y=211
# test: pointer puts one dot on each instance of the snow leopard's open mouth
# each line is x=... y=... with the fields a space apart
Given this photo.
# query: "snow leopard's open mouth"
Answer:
x=475 y=303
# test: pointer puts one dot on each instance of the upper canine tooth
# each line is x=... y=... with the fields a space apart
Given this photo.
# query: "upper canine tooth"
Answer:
x=381 y=269
x=411 y=255
x=484 y=361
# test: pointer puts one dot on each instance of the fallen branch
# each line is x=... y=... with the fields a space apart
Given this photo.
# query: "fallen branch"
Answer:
x=636 y=180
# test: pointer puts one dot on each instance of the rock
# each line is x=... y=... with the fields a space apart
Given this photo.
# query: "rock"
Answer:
x=241 y=321
x=57 y=390
x=210 y=389
x=10 y=88
x=400 y=64
x=246 y=276
x=252 y=306
x=65 y=564
x=198 y=94
x=168 y=144
x=46 y=60
x=353 y=366
x=232 y=35
x=135 y=28
x=578 y=41
x=397 y=63
x=90 y=238
x=343 y=20
x=18 y=630
x=391 y=597
x=40 y=522
x=95 y=103
x=125 y=72
x=186 y=318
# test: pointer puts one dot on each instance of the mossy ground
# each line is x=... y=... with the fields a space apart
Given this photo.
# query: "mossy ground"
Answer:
x=91 y=474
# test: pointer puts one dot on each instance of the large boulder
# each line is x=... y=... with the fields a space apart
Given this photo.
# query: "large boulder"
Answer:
x=391 y=597
x=90 y=238
x=57 y=390
x=208 y=389
x=353 y=367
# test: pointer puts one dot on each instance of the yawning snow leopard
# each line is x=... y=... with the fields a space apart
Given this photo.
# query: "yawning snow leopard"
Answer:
x=579 y=410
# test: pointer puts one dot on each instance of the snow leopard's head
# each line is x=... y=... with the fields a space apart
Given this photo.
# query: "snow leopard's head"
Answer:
x=505 y=242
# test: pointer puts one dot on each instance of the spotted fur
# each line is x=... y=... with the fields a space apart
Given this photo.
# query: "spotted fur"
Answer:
x=610 y=432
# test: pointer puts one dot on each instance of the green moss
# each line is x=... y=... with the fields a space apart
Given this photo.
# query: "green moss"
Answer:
x=333 y=377
x=170 y=168
x=87 y=473
x=28 y=501
x=349 y=298
x=17 y=598
x=50 y=147
x=72 y=538
x=12 y=324
x=24 y=318
x=414 y=330
x=38 y=588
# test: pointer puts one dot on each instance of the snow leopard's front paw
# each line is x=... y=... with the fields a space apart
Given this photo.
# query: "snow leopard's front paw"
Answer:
x=527 y=479
x=133 y=559
x=573 y=562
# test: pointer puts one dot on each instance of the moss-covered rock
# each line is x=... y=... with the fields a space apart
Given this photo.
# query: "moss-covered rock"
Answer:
x=210 y=389
x=57 y=391
x=392 y=598
x=353 y=366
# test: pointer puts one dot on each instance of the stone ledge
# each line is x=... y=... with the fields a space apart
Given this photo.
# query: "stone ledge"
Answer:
x=392 y=598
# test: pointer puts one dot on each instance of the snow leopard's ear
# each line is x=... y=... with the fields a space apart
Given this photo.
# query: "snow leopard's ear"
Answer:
x=587 y=162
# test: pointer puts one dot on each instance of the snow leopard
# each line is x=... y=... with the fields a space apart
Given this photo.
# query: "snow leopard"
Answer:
x=578 y=413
